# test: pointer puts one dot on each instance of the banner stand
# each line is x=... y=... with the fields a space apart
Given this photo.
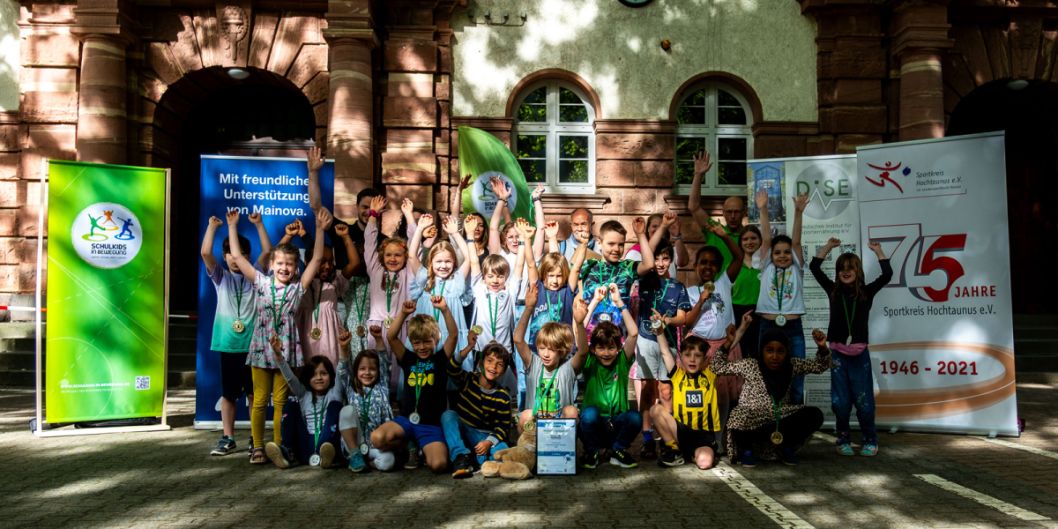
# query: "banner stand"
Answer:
x=38 y=426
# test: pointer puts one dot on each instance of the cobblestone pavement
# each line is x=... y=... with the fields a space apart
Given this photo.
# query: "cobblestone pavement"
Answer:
x=168 y=479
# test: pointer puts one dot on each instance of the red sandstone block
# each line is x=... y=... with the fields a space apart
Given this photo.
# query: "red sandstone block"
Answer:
x=634 y=146
x=50 y=47
x=853 y=120
x=9 y=278
x=409 y=140
x=409 y=112
x=409 y=168
x=10 y=135
x=12 y=193
x=410 y=85
x=847 y=143
x=318 y=89
x=857 y=91
x=161 y=58
x=9 y=163
x=408 y=55
x=27 y=277
x=311 y=60
x=11 y=250
x=8 y=222
x=421 y=195
x=49 y=107
x=615 y=173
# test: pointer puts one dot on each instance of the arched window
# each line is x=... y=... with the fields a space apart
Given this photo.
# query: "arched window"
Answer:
x=554 y=139
x=716 y=117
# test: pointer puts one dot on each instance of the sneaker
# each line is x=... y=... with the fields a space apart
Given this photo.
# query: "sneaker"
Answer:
x=670 y=457
x=788 y=456
x=463 y=466
x=845 y=449
x=225 y=446
x=748 y=459
x=621 y=458
x=650 y=450
x=590 y=460
x=413 y=459
x=277 y=454
x=357 y=463
x=869 y=450
x=326 y=455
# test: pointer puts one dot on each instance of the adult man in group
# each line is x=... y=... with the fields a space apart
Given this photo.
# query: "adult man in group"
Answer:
x=734 y=209
x=582 y=224
x=314 y=159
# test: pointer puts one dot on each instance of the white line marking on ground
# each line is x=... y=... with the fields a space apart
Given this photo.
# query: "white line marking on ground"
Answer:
x=1027 y=448
x=983 y=499
x=826 y=437
x=764 y=503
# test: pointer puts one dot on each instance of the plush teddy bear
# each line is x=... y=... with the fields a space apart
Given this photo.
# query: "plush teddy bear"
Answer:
x=517 y=462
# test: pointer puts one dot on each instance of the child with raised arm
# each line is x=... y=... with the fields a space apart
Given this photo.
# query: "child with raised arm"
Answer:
x=234 y=316
x=442 y=275
x=552 y=278
x=426 y=379
x=781 y=302
x=767 y=418
x=368 y=408
x=550 y=382
x=390 y=272
x=612 y=269
x=278 y=297
x=319 y=320
x=481 y=414
x=851 y=379
x=690 y=426
x=309 y=427
x=606 y=421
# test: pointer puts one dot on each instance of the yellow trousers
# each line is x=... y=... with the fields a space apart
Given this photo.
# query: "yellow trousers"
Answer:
x=267 y=381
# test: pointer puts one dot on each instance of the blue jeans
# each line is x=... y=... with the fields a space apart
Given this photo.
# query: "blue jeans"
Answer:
x=598 y=431
x=295 y=433
x=458 y=436
x=794 y=332
x=852 y=382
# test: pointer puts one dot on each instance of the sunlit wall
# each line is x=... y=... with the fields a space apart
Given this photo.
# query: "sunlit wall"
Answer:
x=8 y=55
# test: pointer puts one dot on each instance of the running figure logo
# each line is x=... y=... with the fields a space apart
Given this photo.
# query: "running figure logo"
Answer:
x=884 y=176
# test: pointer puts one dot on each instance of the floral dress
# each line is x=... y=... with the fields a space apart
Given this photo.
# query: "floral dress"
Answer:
x=276 y=315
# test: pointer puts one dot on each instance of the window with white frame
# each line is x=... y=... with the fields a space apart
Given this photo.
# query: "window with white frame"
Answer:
x=554 y=138
x=716 y=117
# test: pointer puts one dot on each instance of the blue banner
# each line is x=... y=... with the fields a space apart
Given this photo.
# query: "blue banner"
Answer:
x=277 y=188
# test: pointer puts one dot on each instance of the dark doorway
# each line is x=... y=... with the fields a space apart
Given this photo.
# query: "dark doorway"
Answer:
x=262 y=114
x=1028 y=112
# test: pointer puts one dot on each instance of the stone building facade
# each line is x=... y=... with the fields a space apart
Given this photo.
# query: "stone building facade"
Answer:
x=621 y=94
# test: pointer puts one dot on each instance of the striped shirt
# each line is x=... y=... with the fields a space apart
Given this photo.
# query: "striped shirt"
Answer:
x=694 y=399
x=488 y=410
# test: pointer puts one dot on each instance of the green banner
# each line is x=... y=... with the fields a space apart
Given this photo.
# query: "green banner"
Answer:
x=483 y=155
x=106 y=291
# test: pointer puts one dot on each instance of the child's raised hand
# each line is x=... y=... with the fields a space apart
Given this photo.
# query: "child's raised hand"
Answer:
x=599 y=294
x=876 y=247
x=342 y=230
x=233 y=217
x=407 y=207
x=291 y=229
x=707 y=289
x=344 y=338
x=376 y=331
x=747 y=320
x=324 y=219
x=717 y=229
x=538 y=191
x=833 y=242
x=430 y=232
x=702 y=163
x=466 y=181
x=639 y=226
x=761 y=198
x=451 y=225
x=532 y=293
x=800 y=202
x=314 y=159
x=408 y=308
x=425 y=221
x=580 y=309
x=255 y=218
x=301 y=227
x=378 y=203
x=277 y=348
x=215 y=222
x=615 y=294
x=472 y=339
x=668 y=219
x=729 y=336
x=438 y=302
x=470 y=224
x=819 y=337
x=675 y=229
x=551 y=229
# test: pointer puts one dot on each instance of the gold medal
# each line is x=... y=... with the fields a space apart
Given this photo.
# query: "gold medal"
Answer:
x=238 y=326
x=529 y=425
x=414 y=418
x=364 y=449
x=315 y=460
x=388 y=322
x=780 y=320
x=360 y=331
x=776 y=438
x=315 y=333
x=477 y=330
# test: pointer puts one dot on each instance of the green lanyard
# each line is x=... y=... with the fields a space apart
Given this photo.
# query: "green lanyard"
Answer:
x=660 y=298
x=365 y=402
x=360 y=303
x=493 y=312
x=546 y=394
x=437 y=312
x=554 y=312
x=849 y=317
x=779 y=284
x=238 y=297
x=388 y=282
x=276 y=322
x=317 y=420
x=319 y=299
x=419 y=379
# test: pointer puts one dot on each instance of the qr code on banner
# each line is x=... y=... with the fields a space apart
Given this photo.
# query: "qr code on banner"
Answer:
x=848 y=248
x=143 y=383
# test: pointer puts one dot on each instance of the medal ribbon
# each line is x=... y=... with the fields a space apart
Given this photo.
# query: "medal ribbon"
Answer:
x=238 y=298
x=389 y=282
x=493 y=312
x=554 y=315
x=419 y=379
x=276 y=322
x=777 y=407
x=849 y=317
x=316 y=311
x=613 y=273
x=780 y=284
x=317 y=420
x=437 y=312
x=546 y=395
x=365 y=402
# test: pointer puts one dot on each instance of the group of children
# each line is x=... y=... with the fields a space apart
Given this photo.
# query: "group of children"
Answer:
x=425 y=312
